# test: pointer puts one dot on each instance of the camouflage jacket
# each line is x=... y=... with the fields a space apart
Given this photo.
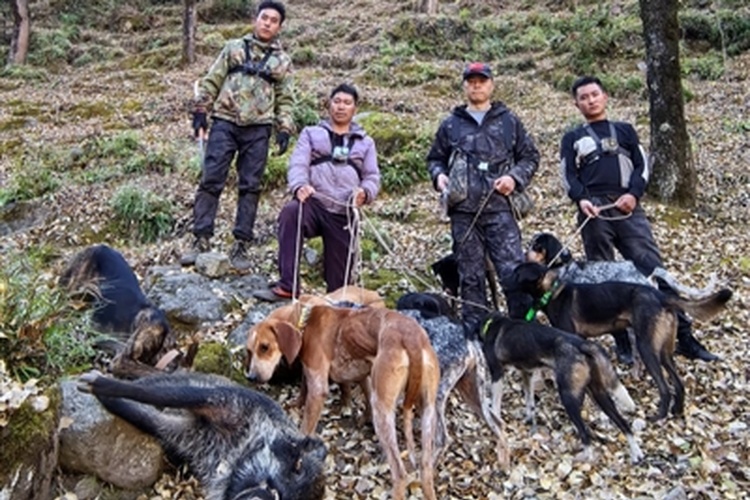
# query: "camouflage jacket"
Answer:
x=486 y=156
x=245 y=98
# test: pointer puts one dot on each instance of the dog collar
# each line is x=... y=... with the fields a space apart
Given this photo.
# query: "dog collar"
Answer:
x=543 y=301
x=485 y=327
x=304 y=315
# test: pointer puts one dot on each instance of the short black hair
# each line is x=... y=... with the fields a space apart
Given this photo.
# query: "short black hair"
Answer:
x=586 y=80
x=272 y=4
x=346 y=89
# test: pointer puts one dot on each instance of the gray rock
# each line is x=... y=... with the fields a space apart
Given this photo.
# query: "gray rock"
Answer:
x=102 y=445
x=212 y=264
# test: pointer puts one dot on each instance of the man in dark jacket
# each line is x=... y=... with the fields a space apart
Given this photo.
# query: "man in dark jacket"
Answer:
x=247 y=91
x=605 y=172
x=482 y=154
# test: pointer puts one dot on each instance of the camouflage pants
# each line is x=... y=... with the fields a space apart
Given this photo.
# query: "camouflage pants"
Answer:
x=496 y=235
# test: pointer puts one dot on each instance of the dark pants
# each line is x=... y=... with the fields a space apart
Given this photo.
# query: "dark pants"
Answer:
x=250 y=144
x=632 y=237
x=497 y=235
x=315 y=221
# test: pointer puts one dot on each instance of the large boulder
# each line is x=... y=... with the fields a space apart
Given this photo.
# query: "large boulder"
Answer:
x=192 y=299
x=29 y=448
x=93 y=441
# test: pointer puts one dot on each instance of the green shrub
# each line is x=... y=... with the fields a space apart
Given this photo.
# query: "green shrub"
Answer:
x=226 y=11
x=142 y=215
x=725 y=30
x=708 y=67
x=39 y=334
x=33 y=175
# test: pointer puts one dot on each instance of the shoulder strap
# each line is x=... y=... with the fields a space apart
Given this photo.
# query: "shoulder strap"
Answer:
x=508 y=134
x=250 y=68
x=329 y=157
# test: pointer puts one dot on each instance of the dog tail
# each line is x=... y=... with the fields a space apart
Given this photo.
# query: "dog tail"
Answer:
x=602 y=369
x=705 y=308
x=684 y=291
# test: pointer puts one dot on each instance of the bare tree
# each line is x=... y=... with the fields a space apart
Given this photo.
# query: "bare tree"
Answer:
x=188 y=31
x=19 y=44
x=427 y=6
x=674 y=176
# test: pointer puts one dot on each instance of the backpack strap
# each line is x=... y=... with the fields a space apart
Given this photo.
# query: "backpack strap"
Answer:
x=329 y=157
x=612 y=136
x=250 y=68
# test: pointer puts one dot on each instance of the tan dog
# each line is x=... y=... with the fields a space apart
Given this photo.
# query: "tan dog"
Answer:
x=348 y=345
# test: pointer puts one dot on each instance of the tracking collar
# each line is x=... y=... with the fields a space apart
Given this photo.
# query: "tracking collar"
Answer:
x=304 y=315
x=543 y=301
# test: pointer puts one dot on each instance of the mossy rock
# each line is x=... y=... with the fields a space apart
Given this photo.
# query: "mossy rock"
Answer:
x=216 y=357
x=28 y=455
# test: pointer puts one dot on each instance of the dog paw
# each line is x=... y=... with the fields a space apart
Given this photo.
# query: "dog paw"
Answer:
x=86 y=381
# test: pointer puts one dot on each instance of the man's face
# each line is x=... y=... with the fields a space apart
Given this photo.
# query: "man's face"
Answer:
x=342 y=108
x=478 y=89
x=267 y=24
x=591 y=101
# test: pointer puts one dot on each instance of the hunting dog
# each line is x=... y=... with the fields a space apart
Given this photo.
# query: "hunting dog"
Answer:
x=446 y=269
x=239 y=443
x=348 y=345
x=592 y=310
x=101 y=276
x=546 y=249
x=291 y=313
x=462 y=367
x=579 y=366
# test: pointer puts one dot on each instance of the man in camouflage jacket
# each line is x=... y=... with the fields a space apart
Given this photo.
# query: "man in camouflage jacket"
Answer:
x=247 y=91
x=481 y=154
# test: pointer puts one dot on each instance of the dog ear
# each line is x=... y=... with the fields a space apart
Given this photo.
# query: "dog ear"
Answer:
x=290 y=340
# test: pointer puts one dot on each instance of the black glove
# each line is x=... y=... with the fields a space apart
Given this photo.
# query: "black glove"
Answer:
x=282 y=142
x=199 y=122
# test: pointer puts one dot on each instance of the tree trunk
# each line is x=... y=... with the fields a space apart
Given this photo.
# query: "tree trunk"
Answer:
x=19 y=44
x=673 y=170
x=428 y=6
x=188 y=32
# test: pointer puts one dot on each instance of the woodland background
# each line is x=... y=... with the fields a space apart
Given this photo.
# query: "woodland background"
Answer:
x=96 y=146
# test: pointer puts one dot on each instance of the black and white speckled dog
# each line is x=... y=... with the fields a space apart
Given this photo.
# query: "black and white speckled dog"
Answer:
x=239 y=443
x=462 y=367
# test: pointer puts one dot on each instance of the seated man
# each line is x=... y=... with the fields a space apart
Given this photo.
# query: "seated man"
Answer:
x=333 y=170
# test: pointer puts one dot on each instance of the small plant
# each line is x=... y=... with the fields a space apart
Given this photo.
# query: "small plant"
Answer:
x=32 y=175
x=39 y=334
x=142 y=214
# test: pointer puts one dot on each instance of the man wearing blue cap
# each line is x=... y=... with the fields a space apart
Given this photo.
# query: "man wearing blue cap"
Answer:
x=480 y=156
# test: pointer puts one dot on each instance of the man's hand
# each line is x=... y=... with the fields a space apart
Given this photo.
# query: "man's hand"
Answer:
x=442 y=182
x=282 y=142
x=200 y=124
x=359 y=197
x=505 y=185
x=305 y=192
x=626 y=203
x=588 y=208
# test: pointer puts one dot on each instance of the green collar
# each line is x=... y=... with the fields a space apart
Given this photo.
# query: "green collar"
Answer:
x=543 y=301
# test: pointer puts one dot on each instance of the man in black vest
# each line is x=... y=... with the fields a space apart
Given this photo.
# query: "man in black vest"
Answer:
x=605 y=172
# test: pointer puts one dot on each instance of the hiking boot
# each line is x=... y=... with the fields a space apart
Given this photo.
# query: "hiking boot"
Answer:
x=238 y=255
x=275 y=294
x=200 y=245
x=692 y=349
x=623 y=347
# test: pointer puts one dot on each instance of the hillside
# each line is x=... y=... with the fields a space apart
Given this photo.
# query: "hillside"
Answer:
x=101 y=112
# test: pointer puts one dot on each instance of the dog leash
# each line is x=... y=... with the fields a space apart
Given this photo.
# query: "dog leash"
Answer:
x=566 y=245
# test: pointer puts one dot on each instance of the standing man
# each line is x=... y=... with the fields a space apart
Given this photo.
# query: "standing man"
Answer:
x=247 y=91
x=482 y=154
x=333 y=170
x=605 y=172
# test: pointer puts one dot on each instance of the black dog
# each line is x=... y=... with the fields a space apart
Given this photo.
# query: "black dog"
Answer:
x=446 y=269
x=239 y=443
x=462 y=367
x=592 y=310
x=579 y=365
x=546 y=249
x=100 y=275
